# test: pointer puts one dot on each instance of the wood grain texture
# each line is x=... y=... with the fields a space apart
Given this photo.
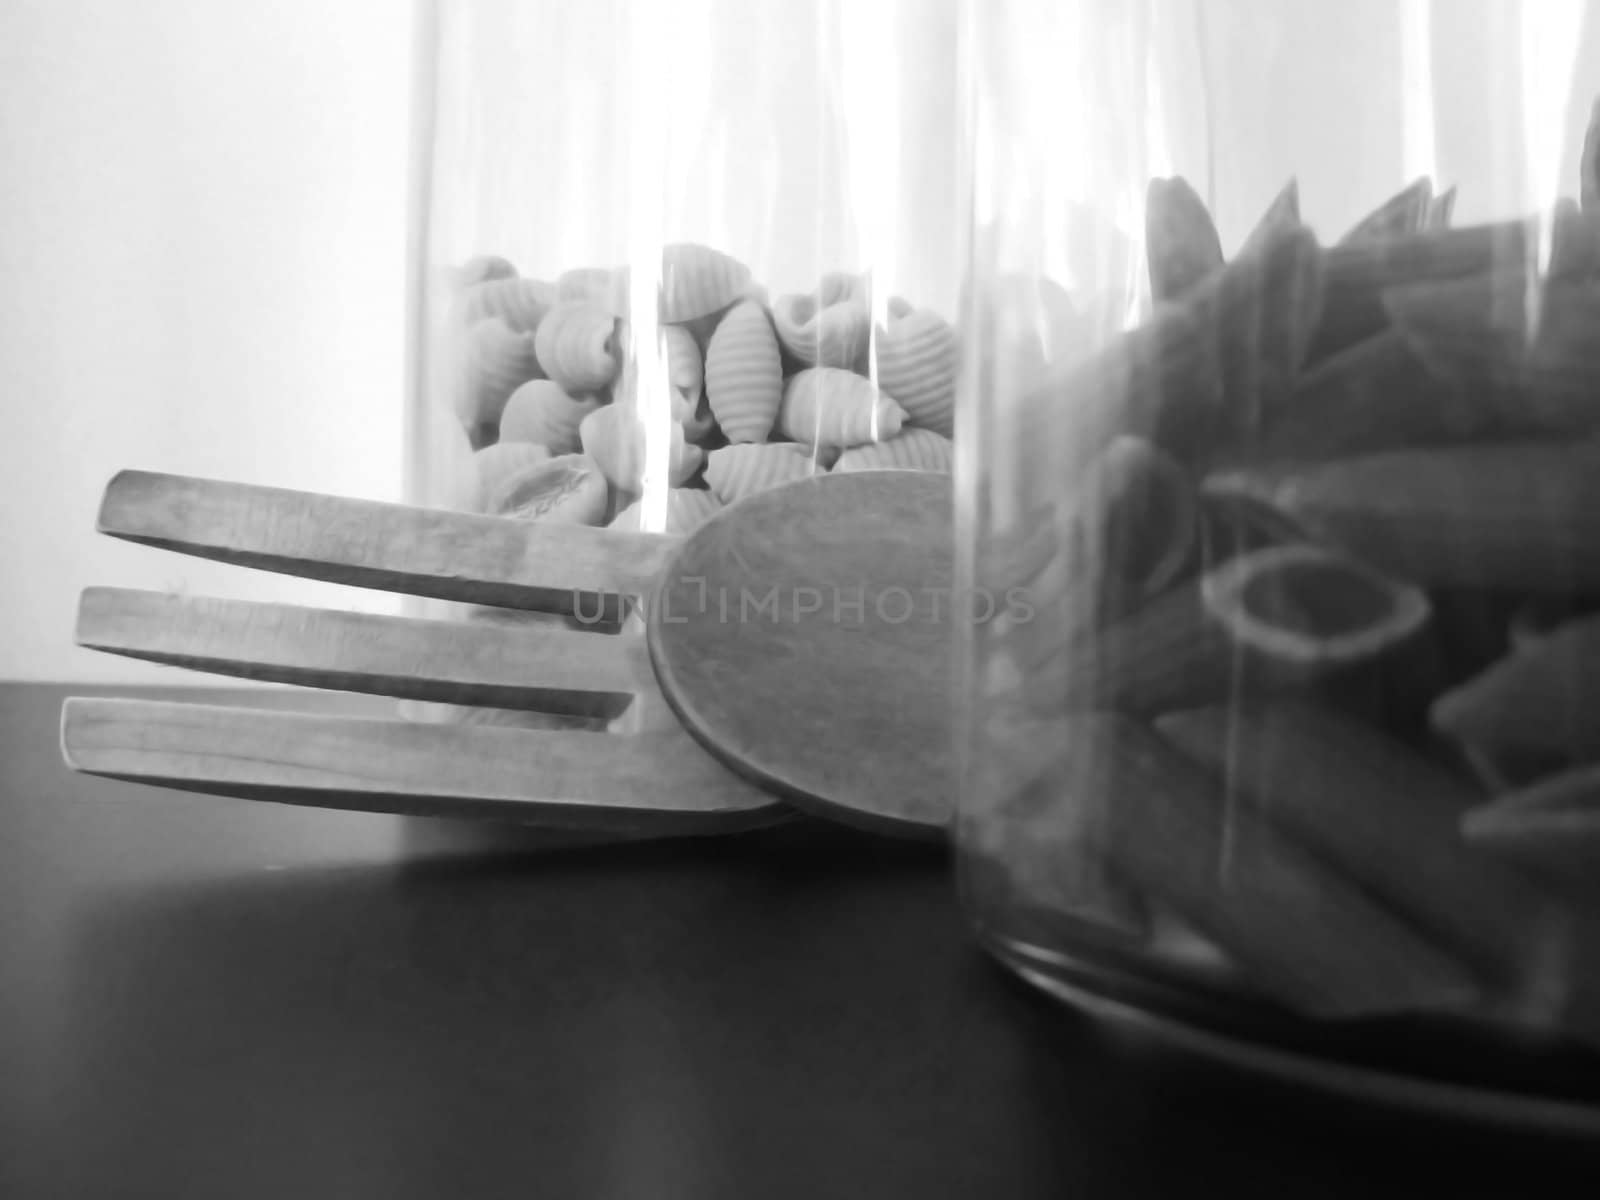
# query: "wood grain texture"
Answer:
x=505 y=665
x=804 y=636
x=390 y=547
x=654 y=782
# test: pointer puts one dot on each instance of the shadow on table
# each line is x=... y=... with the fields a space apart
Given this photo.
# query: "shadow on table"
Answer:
x=794 y=1013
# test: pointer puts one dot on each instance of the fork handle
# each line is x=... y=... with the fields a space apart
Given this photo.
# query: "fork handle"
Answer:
x=390 y=547
x=651 y=783
x=480 y=662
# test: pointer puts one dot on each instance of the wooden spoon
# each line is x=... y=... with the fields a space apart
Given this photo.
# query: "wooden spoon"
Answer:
x=804 y=637
x=846 y=717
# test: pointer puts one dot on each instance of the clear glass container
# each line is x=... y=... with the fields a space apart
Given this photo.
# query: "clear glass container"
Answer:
x=667 y=255
x=1281 y=376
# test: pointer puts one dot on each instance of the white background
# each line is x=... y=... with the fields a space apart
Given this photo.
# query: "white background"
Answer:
x=202 y=239
x=202 y=265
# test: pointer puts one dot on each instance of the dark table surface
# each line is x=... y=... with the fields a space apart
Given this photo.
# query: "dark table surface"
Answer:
x=210 y=998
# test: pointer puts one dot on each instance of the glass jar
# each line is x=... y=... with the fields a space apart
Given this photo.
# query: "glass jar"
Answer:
x=669 y=255
x=1276 y=424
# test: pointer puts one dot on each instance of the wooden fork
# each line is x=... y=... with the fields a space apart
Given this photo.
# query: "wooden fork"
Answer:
x=645 y=776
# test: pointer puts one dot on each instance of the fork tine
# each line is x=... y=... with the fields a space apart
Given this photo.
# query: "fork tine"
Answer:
x=391 y=547
x=450 y=662
x=658 y=782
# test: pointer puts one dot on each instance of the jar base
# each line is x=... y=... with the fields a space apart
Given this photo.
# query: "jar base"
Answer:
x=1159 y=1015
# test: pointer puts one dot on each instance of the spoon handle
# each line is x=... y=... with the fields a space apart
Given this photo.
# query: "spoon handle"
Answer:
x=656 y=782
